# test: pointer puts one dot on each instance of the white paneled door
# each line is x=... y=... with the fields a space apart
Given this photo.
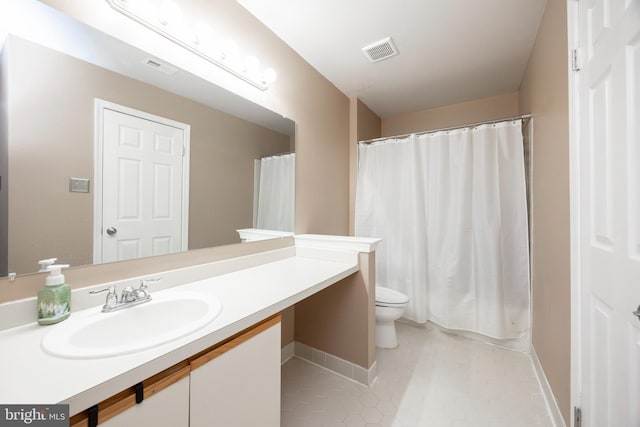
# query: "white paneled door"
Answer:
x=609 y=117
x=143 y=188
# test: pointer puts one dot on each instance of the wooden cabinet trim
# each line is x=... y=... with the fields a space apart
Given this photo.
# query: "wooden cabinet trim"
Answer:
x=234 y=341
x=126 y=399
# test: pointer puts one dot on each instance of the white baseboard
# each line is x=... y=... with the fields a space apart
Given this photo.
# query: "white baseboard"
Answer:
x=330 y=362
x=552 y=404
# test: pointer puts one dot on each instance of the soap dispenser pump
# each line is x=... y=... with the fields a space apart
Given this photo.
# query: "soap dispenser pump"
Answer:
x=54 y=300
x=45 y=263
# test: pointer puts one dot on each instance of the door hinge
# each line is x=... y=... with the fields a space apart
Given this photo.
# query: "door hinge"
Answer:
x=577 y=417
x=575 y=64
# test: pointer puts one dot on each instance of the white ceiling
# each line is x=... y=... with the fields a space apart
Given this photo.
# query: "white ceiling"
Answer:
x=450 y=50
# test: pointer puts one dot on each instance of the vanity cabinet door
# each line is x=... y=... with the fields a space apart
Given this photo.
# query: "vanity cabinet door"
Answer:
x=169 y=407
x=238 y=383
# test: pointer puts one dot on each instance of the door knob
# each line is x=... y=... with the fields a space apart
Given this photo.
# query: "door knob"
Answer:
x=637 y=313
x=111 y=231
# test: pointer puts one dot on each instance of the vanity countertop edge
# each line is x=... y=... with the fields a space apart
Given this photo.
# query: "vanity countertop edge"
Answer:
x=249 y=295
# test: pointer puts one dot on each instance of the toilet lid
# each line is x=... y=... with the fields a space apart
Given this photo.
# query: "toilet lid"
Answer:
x=389 y=296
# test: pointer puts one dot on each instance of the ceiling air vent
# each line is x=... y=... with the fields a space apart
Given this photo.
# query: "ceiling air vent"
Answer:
x=380 y=50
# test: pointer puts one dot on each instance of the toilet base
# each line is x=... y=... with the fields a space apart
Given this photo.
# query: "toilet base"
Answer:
x=386 y=334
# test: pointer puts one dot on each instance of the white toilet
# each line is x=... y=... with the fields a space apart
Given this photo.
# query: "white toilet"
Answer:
x=390 y=305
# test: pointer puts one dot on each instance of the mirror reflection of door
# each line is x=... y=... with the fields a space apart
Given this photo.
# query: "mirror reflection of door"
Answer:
x=144 y=181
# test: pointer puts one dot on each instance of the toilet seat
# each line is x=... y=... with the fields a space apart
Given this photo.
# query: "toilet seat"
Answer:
x=386 y=297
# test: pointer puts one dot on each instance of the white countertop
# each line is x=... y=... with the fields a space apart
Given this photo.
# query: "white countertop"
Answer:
x=30 y=376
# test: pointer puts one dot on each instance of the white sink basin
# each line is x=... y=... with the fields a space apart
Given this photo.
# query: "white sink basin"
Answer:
x=168 y=316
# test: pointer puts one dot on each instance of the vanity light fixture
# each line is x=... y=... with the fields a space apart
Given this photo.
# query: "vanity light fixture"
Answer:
x=167 y=22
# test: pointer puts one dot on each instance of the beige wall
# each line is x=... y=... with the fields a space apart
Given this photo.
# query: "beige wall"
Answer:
x=544 y=93
x=3 y=163
x=369 y=124
x=288 y=326
x=340 y=319
x=492 y=108
x=57 y=93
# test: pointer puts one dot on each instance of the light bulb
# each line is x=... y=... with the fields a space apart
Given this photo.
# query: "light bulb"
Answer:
x=215 y=49
x=203 y=34
x=229 y=50
x=169 y=13
x=269 y=76
x=140 y=8
x=251 y=65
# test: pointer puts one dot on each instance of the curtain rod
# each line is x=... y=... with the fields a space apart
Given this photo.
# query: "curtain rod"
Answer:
x=277 y=155
x=523 y=117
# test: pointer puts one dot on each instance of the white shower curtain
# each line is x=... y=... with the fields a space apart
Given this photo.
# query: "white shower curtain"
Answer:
x=451 y=210
x=276 y=193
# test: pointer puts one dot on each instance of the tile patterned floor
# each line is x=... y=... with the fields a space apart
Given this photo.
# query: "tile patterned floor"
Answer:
x=433 y=379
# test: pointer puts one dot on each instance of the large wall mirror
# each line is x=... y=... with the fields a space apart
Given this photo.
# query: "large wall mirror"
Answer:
x=55 y=78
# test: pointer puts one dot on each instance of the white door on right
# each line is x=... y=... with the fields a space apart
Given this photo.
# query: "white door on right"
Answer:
x=610 y=211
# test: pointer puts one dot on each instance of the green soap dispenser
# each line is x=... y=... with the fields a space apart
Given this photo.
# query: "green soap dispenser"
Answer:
x=54 y=300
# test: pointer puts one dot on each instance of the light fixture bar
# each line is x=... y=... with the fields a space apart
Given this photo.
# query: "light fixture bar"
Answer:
x=119 y=7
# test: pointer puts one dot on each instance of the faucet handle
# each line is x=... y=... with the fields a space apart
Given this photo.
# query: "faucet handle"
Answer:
x=142 y=292
x=112 y=297
x=111 y=289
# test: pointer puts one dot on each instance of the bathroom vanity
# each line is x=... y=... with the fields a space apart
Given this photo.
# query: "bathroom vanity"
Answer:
x=214 y=387
x=219 y=370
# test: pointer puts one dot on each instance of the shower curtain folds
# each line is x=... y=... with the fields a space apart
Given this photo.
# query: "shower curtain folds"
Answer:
x=276 y=193
x=451 y=210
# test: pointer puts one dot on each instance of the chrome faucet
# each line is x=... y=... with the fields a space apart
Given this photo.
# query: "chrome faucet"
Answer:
x=129 y=297
x=143 y=291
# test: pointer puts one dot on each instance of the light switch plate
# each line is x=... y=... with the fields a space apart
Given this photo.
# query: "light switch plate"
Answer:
x=79 y=185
